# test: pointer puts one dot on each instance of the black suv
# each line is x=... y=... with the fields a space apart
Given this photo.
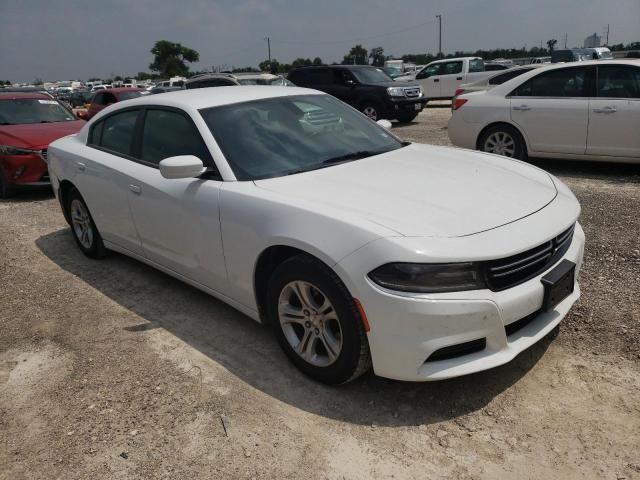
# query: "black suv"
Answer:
x=369 y=89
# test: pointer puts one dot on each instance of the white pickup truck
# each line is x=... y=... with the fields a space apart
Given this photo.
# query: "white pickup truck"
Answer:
x=441 y=78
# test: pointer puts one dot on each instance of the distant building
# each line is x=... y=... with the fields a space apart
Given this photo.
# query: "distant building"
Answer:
x=592 y=41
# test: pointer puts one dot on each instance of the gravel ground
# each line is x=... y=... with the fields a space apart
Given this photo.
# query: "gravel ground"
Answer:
x=112 y=370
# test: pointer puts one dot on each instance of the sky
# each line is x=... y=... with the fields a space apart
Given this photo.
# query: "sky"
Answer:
x=79 y=39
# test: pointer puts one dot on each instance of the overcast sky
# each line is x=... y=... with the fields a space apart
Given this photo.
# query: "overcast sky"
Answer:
x=78 y=39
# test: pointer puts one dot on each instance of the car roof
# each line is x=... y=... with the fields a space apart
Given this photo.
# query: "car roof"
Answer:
x=23 y=95
x=199 y=98
x=124 y=89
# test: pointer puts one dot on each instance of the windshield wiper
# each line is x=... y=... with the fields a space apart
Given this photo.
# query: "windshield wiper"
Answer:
x=352 y=156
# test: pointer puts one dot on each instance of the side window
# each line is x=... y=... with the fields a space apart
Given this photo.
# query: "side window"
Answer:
x=476 y=65
x=564 y=82
x=430 y=71
x=96 y=134
x=98 y=99
x=503 y=77
x=318 y=76
x=618 y=81
x=451 y=68
x=108 y=98
x=117 y=132
x=168 y=134
x=341 y=76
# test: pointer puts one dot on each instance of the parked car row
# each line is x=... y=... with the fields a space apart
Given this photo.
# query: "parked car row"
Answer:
x=588 y=110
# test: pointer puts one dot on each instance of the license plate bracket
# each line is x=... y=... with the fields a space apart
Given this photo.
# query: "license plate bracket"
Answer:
x=558 y=284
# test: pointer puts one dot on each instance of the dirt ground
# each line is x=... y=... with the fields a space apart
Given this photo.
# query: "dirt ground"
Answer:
x=112 y=370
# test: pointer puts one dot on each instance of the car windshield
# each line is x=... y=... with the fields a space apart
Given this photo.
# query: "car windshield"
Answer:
x=129 y=95
x=371 y=75
x=286 y=135
x=23 y=111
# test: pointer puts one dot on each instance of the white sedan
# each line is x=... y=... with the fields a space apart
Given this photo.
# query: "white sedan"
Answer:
x=586 y=110
x=357 y=248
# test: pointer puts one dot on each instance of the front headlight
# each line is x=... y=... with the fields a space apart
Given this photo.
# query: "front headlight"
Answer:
x=429 y=277
x=395 y=91
x=9 y=150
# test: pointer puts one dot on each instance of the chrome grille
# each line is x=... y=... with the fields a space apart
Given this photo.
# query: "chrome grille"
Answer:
x=511 y=271
x=413 y=92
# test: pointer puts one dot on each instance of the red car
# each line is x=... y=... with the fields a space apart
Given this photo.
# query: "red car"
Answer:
x=28 y=123
x=103 y=98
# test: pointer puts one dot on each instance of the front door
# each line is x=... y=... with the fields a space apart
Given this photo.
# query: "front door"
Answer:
x=552 y=109
x=177 y=219
x=614 y=114
x=429 y=79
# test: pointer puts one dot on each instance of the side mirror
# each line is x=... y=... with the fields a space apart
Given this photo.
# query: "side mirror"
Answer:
x=386 y=124
x=182 y=166
x=350 y=83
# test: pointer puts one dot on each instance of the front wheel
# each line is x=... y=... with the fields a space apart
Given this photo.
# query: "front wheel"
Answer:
x=84 y=229
x=371 y=110
x=316 y=321
x=503 y=140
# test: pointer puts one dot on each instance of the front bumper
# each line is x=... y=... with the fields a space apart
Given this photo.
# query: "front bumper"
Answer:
x=406 y=329
x=397 y=106
x=24 y=170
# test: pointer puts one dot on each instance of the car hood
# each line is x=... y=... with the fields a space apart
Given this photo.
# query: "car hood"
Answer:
x=395 y=83
x=422 y=190
x=37 y=135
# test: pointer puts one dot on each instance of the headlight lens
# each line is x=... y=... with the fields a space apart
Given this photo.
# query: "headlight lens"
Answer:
x=9 y=150
x=429 y=277
x=395 y=91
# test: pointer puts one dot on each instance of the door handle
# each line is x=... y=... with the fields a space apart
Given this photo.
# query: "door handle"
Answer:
x=458 y=78
x=522 y=108
x=81 y=166
x=135 y=188
x=436 y=79
x=605 y=110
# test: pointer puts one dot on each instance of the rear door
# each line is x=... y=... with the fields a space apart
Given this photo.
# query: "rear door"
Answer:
x=552 y=109
x=103 y=178
x=614 y=113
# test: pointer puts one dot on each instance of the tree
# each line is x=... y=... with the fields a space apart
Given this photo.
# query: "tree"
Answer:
x=356 y=56
x=551 y=44
x=170 y=58
x=317 y=61
x=377 y=56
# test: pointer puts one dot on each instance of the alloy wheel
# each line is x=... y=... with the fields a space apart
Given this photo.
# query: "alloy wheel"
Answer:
x=500 y=143
x=371 y=112
x=81 y=223
x=310 y=323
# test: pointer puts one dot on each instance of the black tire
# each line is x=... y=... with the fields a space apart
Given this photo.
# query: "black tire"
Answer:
x=371 y=110
x=407 y=117
x=507 y=132
x=7 y=190
x=353 y=359
x=92 y=246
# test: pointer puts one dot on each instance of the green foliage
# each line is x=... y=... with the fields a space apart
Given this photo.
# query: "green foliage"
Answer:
x=317 y=61
x=551 y=44
x=169 y=58
x=356 y=56
x=377 y=56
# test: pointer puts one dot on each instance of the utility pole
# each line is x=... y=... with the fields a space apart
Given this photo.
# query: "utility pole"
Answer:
x=565 y=40
x=269 y=47
x=439 y=17
x=607 y=44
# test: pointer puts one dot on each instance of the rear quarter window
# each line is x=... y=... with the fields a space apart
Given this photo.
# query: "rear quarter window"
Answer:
x=476 y=65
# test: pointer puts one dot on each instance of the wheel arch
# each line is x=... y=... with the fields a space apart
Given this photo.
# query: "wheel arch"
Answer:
x=508 y=124
x=65 y=188
x=267 y=261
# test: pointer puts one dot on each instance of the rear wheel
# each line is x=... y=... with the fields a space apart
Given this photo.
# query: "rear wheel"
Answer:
x=316 y=321
x=84 y=229
x=503 y=140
